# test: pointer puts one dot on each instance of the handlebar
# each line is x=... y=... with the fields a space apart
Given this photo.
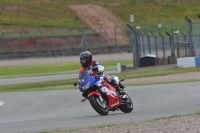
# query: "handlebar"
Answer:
x=95 y=68
x=75 y=83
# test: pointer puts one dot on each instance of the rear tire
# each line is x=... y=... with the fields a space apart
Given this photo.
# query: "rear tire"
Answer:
x=98 y=106
x=128 y=106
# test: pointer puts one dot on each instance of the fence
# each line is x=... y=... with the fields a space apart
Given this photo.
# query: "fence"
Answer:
x=182 y=40
x=172 y=39
x=51 y=39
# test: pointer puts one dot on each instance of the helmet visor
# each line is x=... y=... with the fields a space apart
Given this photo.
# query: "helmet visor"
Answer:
x=83 y=61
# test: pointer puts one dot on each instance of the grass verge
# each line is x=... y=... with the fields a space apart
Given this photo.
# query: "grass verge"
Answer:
x=52 y=69
x=66 y=84
x=39 y=86
x=152 y=83
x=176 y=116
x=62 y=85
x=150 y=73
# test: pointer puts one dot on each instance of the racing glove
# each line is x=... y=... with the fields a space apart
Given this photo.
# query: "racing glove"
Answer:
x=100 y=70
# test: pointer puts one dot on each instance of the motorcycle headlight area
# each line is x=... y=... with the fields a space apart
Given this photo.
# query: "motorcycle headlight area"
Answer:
x=85 y=87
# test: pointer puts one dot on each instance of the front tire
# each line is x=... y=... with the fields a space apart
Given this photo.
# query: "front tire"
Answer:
x=127 y=107
x=98 y=106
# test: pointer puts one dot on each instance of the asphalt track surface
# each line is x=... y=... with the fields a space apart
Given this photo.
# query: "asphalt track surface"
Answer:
x=52 y=110
x=42 y=78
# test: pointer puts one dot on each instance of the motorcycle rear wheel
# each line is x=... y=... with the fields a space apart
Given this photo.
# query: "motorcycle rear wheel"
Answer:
x=98 y=106
x=127 y=107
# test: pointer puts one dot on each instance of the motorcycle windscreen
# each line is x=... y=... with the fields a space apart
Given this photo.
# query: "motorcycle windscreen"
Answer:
x=86 y=80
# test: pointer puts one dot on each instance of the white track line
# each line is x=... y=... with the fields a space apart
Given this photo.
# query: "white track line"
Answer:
x=1 y=103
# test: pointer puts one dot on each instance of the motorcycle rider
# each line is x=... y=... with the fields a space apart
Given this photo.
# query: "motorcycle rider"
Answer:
x=87 y=64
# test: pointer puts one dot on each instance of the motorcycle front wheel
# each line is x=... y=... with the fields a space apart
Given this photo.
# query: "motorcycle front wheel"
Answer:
x=98 y=105
x=127 y=107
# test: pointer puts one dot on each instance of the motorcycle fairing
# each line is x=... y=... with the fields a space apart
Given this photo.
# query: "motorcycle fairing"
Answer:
x=86 y=80
x=112 y=101
x=94 y=93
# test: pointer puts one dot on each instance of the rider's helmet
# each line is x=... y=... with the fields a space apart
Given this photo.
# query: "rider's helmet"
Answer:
x=85 y=58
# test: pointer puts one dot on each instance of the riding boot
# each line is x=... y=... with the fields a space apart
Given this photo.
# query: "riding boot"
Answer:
x=121 y=86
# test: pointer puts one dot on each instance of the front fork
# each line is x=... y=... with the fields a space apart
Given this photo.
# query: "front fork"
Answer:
x=101 y=99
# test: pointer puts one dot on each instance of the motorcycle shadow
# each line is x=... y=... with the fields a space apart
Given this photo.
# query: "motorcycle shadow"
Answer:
x=111 y=114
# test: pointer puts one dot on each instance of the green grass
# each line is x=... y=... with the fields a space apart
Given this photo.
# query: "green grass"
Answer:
x=62 y=85
x=38 y=14
x=66 y=68
x=176 y=116
x=167 y=82
x=52 y=69
x=67 y=83
x=151 y=73
x=47 y=35
x=39 y=86
x=51 y=13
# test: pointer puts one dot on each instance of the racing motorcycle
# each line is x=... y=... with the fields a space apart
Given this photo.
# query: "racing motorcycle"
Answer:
x=103 y=102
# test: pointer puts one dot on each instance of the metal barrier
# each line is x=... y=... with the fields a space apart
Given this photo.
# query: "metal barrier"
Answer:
x=183 y=49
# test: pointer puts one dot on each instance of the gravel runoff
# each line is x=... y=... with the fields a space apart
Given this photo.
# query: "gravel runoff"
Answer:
x=184 y=124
